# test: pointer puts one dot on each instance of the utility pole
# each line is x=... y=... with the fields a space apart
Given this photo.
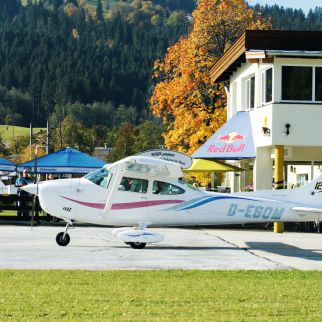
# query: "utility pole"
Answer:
x=47 y=138
x=13 y=127
x=38 y=142
x=30 y=140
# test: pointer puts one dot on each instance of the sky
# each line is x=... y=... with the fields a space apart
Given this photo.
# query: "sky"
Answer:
x=305 y=5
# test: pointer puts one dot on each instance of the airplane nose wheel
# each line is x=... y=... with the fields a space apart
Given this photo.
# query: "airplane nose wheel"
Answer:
x=63 y=239
x=137 y=245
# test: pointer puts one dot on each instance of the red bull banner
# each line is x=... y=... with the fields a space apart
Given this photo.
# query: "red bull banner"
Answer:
x=233 y=141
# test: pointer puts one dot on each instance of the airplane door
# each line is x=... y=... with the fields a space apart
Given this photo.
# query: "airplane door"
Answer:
x=92 y=200
x=130 y=202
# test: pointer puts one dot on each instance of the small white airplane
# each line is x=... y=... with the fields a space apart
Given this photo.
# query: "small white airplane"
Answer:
x=141 y=191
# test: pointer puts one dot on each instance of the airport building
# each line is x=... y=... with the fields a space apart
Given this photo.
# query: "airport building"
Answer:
x=273 y=81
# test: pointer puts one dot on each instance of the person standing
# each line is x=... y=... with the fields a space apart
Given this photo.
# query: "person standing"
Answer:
x=21 y=181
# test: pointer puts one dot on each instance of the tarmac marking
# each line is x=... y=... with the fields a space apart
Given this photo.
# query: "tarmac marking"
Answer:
x=246 y=249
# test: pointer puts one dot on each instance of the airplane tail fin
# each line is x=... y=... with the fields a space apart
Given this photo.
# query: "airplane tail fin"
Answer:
x=311 y=195
x=313 y=189
x=314 y=185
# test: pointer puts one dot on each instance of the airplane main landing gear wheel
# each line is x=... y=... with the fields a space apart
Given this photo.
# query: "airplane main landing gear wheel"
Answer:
x=62 y=240
x=137 y=245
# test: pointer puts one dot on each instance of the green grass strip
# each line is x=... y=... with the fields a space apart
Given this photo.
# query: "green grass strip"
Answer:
x=9 y=132
x=48 y=295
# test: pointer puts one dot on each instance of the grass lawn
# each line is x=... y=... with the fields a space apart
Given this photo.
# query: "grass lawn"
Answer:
x=13 y=213
x=8 y=213
x=8 y=132
x=47 y=295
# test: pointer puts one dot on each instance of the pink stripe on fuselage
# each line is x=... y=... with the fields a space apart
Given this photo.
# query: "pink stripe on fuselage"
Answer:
x=141 y=204
x=87 y=204
x=126 y=205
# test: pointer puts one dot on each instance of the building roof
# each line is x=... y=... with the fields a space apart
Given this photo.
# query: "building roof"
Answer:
x=263 y=44
x=6 y=165
x=204 y=166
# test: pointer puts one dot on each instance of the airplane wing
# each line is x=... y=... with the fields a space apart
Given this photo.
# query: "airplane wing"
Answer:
x=308 y=209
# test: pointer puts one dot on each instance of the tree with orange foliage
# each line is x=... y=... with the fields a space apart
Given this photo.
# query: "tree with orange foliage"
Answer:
x=184 y=95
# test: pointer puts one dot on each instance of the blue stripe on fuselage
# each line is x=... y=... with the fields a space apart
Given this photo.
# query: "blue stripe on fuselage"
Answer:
x=210 y=199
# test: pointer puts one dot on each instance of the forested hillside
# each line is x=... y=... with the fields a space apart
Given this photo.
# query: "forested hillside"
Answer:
x=94 y=57
x=292 y=19
x=54 y=53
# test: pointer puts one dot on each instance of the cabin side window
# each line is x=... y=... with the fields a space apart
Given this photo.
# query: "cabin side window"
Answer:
x=133 y=185
x=164 y=188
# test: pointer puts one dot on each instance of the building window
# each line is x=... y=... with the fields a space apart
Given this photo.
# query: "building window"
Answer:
x=302 y=179
x=267 y=85
x=318 y=83
x=250 y=93
x=297 y=83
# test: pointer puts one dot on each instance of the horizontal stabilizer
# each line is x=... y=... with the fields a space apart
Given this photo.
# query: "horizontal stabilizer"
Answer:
x=307 y=209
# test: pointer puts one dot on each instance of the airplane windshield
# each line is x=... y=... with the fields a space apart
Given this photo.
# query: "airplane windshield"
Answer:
x=100 y=177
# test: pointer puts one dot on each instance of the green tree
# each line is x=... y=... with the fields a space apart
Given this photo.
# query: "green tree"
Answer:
x=4 y=151
x=129 y=140
x=124 y=143
x=73 y=134
x=149 y=136
x=99 y=11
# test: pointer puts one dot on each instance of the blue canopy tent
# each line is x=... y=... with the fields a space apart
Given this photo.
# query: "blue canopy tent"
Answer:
x=233 y=141
x=65 y=161
x=7 y=166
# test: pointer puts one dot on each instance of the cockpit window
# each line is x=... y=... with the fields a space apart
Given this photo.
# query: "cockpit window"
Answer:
x=100 y=177
x=164 y=188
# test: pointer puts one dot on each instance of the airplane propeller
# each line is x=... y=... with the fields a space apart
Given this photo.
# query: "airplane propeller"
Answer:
x=35 y=196
x=34 y=204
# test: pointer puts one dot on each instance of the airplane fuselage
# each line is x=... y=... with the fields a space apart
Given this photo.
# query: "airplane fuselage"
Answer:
x=141 y=192
x=82 y=200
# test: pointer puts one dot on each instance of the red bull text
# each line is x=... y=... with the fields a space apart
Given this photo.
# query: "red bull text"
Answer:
x=228 y=148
